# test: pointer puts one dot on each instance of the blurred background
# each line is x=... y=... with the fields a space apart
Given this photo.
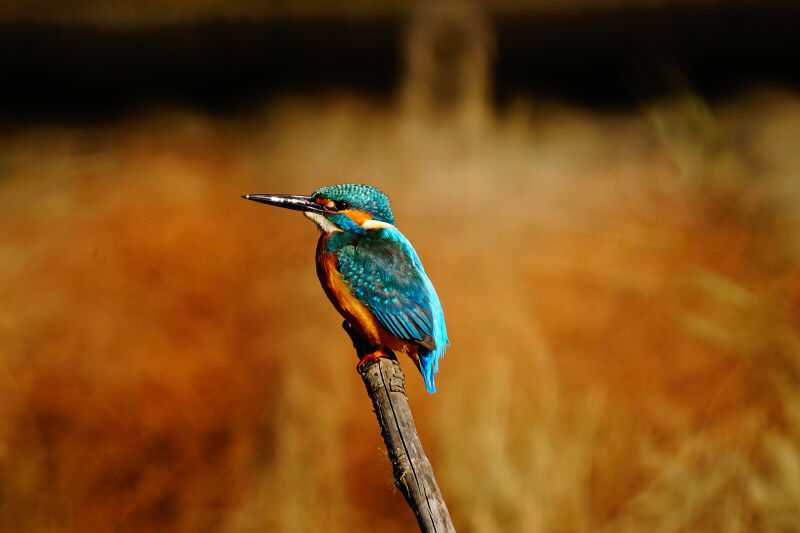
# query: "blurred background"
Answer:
x=606 y=195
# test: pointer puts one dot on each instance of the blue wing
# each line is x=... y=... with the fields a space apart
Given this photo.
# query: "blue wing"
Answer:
x=386 y=275
x=385 y=279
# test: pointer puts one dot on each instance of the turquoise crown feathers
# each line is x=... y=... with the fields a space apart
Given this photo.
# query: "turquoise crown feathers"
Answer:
x=361 y=197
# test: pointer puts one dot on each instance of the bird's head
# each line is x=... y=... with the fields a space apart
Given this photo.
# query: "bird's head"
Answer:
x=348 y=207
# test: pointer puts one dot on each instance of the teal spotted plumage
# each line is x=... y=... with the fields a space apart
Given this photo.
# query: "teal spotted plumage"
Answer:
x=386 y=275
x=372 y=273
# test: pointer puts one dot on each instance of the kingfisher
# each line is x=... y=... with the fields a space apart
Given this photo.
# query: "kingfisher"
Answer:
x=372 y=275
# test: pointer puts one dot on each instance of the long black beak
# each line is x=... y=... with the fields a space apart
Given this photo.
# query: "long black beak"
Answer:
x=289 y=201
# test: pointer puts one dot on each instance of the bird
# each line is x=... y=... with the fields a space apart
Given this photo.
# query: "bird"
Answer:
x=372 y=275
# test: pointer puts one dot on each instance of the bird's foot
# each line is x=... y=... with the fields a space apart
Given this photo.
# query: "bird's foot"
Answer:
x=372 y=355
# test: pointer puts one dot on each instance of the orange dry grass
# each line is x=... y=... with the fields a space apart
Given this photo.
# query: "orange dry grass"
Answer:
x=621 y=293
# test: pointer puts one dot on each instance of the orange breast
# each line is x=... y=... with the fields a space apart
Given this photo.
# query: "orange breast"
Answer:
x=355 y=312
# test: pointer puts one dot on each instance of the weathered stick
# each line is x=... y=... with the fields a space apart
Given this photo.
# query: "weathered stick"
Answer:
x=413 y=473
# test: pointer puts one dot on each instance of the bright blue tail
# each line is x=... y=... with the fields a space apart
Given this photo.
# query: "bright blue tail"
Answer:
x=429 y=366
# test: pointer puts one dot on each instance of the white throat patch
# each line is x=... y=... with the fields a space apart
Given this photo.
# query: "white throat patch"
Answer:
x=325 y=225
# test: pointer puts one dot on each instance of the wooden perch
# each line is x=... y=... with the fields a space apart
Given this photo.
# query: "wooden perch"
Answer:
x=413 y=473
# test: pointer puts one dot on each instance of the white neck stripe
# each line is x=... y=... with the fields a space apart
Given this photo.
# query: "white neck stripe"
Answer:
x=376 y=224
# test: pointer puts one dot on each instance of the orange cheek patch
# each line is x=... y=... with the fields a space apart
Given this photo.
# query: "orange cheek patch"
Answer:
x=359 y=217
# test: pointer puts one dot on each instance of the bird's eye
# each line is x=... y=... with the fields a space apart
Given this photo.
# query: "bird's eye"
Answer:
x=341 y=205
